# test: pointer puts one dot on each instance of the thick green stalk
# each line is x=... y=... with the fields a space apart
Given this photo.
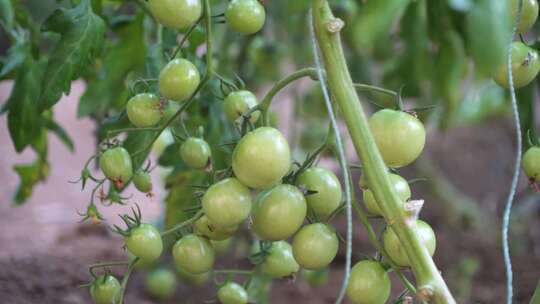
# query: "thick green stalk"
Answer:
x=431 y=285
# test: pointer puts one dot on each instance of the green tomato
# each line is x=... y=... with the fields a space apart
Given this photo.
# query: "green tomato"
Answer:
x=170 y=110
x=105 y=290
x=161 y=283
x=176 y=14
x=193 y=254
x=144 y=110
x=141 y=264
x=279 y=212
x=196 y=153
x=238 y=103
x=529 y=14
x=204 y=227
x=329 y=193
x=315 y=246
x=261 y=158
x=227 y=203
x=142 y=181
x=179 y=80
x=222 y=247
x=531 y=163
x=232 y=293
x=145 y=242
x=316 y=278
x=245 y=16
x=400 y=136
x=369 y=283
x=280 y=262
x=525 y=66
x=116 y=165
x=401 y=186
x=195 y=279
x=395 y=250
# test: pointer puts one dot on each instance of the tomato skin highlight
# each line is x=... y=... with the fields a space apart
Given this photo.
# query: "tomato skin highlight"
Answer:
x=204 y=227
x=329 y=192
x=196 y=153
x=531 y=163
x=245 y=16
x=401 y=187
x=529 y=14
x=176 y=14
x=142 y=181
x=143 y=110
x=369 y=283
x=232 y=293
x=161 y=283
x=315 y=246
x=525 y=66
x=280 y=262
x=193 y=254
x=115 y=163
x=145 y=242
x=395 y=250
x=238 y=103
x=179 y=80
x=227 y=203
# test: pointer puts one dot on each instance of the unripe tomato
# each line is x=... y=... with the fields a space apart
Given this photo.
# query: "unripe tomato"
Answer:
x=395 y=250
x=369 y=283
x=238 y=103
x=141 y=264
x=161 y=283
x=529 y=14
x=400 y=136
x=196 y=153
x=245 y=16
x=232 y=293
x=227 y=203
x=531 y=163
x=142 y=181
x=195 y=279
x=278 y=212
x=400 y=186
x=329 y=193
x=193 y=254
x=525 y=66
x=145 y=242
x=105 y=289
x=116 y=165
x=222 y=247
x=178 y=80
x=316 y=278
x=315 y=246
x=143 y=110
x=261 y=158
x=177 y=14
x=204 y=227
x=280 y=263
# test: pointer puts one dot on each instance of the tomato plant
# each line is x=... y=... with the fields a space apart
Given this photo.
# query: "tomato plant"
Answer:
x=315 y=246
x=369 y=283
x=178 y=80
x=245 y=16
x=144 y=110
x=193 y=254
x=142 y=181
x=227 y=203
x=232 y=293
x=531 y=163
x=328 y=193
x=195 y=153
x=145 y=242
x=237 y=103
x=395 y=249
x=280 y=262
x=529 y=14
x=401 y=187
x=204 y=227
x=176 y=13
x=161 y=283
x=115 y=163
x=525 y=66
x=105 y=289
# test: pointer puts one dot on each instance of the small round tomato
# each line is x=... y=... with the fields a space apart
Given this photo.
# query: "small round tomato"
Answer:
x=204 y=227
x=315 y=246
x=280 y=262
x=144 y=110
x=232 y=293
x=525 y=66
x=395 y=250
x=531 y=163
x=238 y=103
x=141 y=264
x=193 y=254
x=105 y=289
x=142 y=181
x=161 y=283
x=245 y=16
x=400 y=186
x=400 y=136
x=261 y=158
x=227 y=203
x=529 y=14
x=329 y=193
x=316 y=278
x=179 y=80
x=177 y=14
x=194 y=279
x=116 y=165
x=279 y=212
x=196 y=153
x=369 y=283
x=145 y=242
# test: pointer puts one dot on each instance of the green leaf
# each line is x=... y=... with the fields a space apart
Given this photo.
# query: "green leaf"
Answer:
x=6 y=14
x=16 y=55
x=30 y=175
x=82 y=34
x=51 y=125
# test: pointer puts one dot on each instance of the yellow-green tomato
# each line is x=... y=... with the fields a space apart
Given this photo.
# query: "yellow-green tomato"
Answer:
x=280 y=262
x=531 y=163
x=105 y=290
x=193 y=254
x=401 y=187
x=179 y=79
x=238 y=103
x=195 y=153
x=400 y=136
x=245 y=16
x=142 y=181
x=227 y=203
x=279 y=212
x=261 y=158
x=204 y=227
x=529 y=14
x=525 y=66
x=161 y=283
x=369 y=283
x=116 y=165
x=329 y=193
x=395 y=250
x=176 y=14
x=315 y=246
x=232 y=293
x=145 y=242
x=144 y=110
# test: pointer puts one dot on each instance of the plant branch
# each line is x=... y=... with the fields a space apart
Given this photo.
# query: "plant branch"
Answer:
x=183 y=224
x=126 y=279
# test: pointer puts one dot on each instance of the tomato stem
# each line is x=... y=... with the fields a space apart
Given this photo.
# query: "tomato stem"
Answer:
x=183 y=224
x=105 y=264
x=125 y=280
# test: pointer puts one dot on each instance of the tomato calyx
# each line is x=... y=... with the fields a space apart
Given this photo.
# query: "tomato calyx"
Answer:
x=92 y=214
x=264 y=250
x=131 y=222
